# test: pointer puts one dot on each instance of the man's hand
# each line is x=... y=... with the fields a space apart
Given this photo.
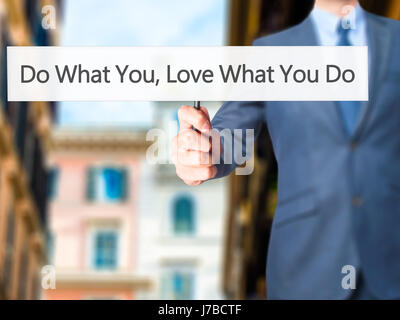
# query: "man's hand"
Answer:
x=192 y=150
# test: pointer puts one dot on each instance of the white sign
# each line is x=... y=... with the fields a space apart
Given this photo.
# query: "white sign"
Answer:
x=187 y=73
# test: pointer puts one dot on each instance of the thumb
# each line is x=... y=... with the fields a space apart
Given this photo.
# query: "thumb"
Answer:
x=205 y=111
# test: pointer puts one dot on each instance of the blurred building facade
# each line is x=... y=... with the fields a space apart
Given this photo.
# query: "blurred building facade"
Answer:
x=24 y=138
x=177 y=231
x=252 y=199
x=141 y=232
x=94 y=215
x=123 y=227
x=181 y=227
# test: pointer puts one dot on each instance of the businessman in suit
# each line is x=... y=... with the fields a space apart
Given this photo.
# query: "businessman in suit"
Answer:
x=338 y=163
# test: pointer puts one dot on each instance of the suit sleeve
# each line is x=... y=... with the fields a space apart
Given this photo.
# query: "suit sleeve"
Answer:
x=232 y=120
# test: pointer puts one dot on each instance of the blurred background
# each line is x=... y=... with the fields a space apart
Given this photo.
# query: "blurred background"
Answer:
x=76 y=192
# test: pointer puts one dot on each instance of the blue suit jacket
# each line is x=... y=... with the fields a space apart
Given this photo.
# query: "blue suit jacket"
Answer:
x=338 y=196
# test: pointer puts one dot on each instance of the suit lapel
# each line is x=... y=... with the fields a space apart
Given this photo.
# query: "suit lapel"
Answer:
x=379 y=44
x=307 y=35
x=326 y=111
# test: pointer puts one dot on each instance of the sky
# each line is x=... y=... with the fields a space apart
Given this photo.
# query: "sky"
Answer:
x=135 y=23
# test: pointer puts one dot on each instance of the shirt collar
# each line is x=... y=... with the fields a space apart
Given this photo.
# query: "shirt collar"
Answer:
x=328 y=22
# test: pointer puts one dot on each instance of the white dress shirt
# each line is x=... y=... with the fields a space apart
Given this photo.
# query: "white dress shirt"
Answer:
x=326 y=25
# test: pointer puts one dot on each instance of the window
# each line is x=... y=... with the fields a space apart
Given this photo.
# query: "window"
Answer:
x=105 y=250
x=183 y=215
x=177 y=284
x=52 y=185
x=106 y=184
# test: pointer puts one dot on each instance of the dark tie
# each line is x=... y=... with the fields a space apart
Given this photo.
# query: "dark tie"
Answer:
x=348 y=109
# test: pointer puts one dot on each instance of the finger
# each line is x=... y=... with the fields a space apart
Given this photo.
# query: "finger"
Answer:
x=196 y=174
x=192 y=158
x=190 y=117
x=189 y=139
x=193 y=183
x=205 y=111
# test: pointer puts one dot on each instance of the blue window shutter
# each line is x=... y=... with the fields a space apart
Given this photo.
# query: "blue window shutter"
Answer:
x=90 y=183
x=113 y=182
x=52 y=185
x=178 y=285
x=116 y=183
x=183 y=215
x=124 y=183
x=105 y=250
x=182 y=285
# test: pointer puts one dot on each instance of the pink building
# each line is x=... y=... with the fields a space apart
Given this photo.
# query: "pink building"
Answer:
x=94 y=214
